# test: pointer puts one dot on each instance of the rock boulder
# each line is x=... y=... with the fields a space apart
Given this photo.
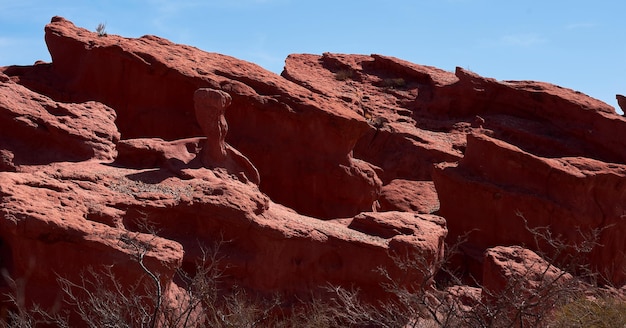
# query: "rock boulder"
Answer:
x=39 y=130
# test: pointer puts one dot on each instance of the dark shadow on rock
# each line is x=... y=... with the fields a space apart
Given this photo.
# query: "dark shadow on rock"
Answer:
x=152 y=176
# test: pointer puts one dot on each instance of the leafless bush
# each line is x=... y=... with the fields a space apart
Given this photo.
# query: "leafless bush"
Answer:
x=421 y=303
x=19 y=314
x=528 y=299
x=100 y=299
x=554 y=298
x=522 y=303
x=570 y=256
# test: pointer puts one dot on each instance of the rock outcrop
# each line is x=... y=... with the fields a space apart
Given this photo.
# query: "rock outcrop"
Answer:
x=55 y=224
x=515 y=275
x=94 y=208
x=39 y=130
x=501 y=191
x=265 y=113
x=210 y=106
x=503 y=264
x=176 y=171
x=527 y=149
x=327 y=173
x=150 y=82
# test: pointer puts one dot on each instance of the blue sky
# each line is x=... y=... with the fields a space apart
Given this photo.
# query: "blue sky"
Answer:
x=575 y=44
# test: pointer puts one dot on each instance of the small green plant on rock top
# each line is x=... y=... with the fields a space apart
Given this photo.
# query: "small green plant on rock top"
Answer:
x=101 y=29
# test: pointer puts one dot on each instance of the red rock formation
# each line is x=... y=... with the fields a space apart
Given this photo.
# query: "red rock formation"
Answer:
x=336 y=137
x=148 y=153
x=38 y=130
x=49 y=229
x=541 y=118
x=210 y=106
x=420 y=115
x=515 y=275
x=150 y=82
x=497 y=186
x=270 y=248
x=400 y=141
x=409 y=196
x=90 y=207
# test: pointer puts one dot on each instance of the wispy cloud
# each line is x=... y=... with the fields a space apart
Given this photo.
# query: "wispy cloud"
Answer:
x=522 y=40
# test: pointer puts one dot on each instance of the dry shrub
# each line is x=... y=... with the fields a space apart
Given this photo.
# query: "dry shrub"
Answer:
x=199 y=299
x=607 y=312
x=344 y=74
x=100 y=300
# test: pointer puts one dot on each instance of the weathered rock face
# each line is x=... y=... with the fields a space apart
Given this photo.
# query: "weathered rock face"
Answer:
x=384 y=91
x=506 y=264
x=550 y=154
x=38 y=130
x=497 y=186
x=409 y=196
x=420 y=114
x=150 y=82
x=92 y=192
x=541 y=118
x=51 y=228
x=388 y=153
x=95 y=208
x=515 y=275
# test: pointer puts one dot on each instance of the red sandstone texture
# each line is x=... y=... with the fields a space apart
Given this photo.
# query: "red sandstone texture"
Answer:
x=325 y=173
x=508 y=151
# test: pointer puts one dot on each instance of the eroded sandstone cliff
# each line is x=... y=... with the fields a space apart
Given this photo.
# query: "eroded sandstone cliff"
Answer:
x=324 y=173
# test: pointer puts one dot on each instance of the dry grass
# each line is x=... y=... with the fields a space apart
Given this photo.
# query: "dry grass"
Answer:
x=344 y=74
x=605 y=312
